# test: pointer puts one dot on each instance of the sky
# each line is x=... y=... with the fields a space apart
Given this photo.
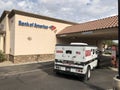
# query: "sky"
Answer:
x=70 y=10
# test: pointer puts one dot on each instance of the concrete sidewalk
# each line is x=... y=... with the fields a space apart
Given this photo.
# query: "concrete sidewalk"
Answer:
x=6 y=63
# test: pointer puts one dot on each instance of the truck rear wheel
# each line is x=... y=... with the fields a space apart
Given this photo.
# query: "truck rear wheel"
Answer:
x=88 y=74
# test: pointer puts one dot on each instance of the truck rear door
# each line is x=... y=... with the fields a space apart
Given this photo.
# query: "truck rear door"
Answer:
x=71 y=53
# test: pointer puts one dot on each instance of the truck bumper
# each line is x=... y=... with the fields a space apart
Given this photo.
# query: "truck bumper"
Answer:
x=69 y=73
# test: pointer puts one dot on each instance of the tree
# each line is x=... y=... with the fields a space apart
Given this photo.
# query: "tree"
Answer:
x=109 y=43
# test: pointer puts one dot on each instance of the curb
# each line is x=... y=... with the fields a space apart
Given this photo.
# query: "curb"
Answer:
x=114 y=69
x=35 y=62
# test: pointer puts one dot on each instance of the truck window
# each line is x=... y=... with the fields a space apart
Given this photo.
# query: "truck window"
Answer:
x=93 y=51
x=68 y=52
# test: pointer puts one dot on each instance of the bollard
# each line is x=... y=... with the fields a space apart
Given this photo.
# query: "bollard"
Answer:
x=116 y=83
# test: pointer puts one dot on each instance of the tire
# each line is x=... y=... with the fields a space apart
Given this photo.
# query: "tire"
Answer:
x=88 y=74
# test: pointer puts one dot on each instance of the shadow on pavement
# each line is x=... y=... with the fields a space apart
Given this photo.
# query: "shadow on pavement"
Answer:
x=104 y=61
x=73 y=78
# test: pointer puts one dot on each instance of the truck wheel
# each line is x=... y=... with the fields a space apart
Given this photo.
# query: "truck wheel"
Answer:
x=88 y=74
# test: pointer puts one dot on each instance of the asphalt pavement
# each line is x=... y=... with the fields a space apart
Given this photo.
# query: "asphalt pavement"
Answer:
x=18 y=69
x=40 y=76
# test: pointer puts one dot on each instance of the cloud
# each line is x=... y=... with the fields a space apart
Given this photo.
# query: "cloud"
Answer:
x=3 y=4
x=70 y=10
x=22 y=3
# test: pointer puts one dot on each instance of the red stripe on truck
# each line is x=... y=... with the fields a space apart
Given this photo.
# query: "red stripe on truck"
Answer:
x=59 y=51
x=78 y=53
x=87 y=53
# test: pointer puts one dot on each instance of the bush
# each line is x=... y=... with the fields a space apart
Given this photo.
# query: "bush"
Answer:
x=2 y=56
x=108 y=51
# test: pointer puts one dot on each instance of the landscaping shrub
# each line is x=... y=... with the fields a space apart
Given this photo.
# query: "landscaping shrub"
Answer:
x=2 y=56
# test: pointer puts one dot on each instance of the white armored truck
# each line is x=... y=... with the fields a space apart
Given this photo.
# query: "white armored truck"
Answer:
x=76 y=58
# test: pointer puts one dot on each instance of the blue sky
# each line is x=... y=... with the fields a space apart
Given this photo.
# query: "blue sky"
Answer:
x=70 y=10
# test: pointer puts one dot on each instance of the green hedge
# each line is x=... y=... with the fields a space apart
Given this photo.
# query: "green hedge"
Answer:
x=107 y=53
x=2 y=56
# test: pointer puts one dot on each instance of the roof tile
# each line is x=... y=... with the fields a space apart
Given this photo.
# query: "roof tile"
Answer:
x=104 y=23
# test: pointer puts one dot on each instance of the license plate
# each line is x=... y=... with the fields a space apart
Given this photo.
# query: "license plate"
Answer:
x=67 y=69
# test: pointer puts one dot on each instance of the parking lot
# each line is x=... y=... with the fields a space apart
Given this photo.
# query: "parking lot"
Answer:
x=42 y=77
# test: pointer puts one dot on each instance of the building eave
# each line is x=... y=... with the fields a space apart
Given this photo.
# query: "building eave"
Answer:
x=3 y=15
x=13 y=12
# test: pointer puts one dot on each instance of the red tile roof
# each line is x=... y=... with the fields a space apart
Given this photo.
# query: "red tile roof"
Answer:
x=109 y=22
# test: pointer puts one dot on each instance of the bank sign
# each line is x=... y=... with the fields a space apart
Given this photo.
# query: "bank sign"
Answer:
x=36 y=25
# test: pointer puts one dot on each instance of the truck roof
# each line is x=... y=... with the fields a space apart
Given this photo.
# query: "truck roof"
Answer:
x=75 y=45
x=78 y=43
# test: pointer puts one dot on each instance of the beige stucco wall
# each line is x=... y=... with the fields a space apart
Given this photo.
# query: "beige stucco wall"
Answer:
x=1 y=43
x=12 y=35
x=42 y=40
x=7 y=36
x=5 y=23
